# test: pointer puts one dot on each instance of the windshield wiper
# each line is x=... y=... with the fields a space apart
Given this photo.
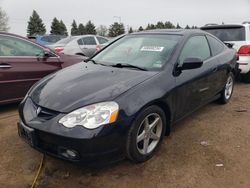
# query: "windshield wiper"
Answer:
x=120 y=65
x=87 y=60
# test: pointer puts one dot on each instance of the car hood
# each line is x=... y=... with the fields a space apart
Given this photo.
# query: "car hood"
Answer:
x=83 y=84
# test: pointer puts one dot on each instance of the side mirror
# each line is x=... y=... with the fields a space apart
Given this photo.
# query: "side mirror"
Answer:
x=46 y=53
x=191 y=63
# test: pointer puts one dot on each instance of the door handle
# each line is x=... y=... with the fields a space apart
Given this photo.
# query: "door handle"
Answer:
x=5 y=66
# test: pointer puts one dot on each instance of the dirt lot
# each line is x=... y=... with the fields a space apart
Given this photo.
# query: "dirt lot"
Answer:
x=182 y=160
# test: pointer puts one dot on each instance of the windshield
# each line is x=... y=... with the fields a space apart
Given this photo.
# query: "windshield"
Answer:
x=148 y=51
x=65 y=40
x=228 y=34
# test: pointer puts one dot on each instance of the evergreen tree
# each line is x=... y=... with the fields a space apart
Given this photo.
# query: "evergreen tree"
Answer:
x=116 y=29
x=81 y=29
x=63 y=28
x=130 y=30
x=150 y=27
x=90 y=28
x=35 y=25
x=58 y=27
x=169 y=25
x=140 y=28
x=3 y=21
x=160 y=25
x=178 y=26
x=74 y=29
x=55 y=27
x=187 y=27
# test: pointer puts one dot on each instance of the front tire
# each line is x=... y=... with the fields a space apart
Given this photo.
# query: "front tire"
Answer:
x=146 y=134
x=227 y=92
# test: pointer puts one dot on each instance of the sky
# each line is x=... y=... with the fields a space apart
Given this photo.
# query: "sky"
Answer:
x=133 y=13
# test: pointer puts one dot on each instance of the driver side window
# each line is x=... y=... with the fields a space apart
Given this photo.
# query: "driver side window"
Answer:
x=11 y=46
x=196 y=47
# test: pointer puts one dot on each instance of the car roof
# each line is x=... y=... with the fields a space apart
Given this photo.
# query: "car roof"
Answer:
x=223 y=26
x=184 y=32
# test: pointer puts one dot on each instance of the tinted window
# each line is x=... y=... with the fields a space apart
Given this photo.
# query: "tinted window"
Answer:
x=196 y=47
x=101 y=40
x=89 y=41
x=80 y=42
x=51 y=39
x=146 y=51
x=229 y=34
x=65 y=40
x=215 y=45
x=11 y=46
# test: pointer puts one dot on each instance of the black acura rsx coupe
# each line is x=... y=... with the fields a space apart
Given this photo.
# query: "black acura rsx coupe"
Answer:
x=123 y=100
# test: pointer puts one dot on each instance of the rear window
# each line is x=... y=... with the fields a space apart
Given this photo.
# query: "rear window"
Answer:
x=228 y=34
x=65 y=40
x=101 y=40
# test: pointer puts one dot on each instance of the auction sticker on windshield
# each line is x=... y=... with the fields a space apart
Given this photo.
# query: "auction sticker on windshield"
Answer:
x=152 y=48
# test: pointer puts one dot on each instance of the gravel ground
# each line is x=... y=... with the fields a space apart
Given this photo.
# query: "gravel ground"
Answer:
x=210 y=148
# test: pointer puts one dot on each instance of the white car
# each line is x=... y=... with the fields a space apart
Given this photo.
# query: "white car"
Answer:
x=85 y=45
x=239 y=36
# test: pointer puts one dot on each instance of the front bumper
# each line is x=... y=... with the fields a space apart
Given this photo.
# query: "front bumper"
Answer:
x=74 y=150
x=102 y=145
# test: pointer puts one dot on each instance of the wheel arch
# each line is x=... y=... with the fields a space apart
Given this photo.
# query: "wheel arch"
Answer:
x=166 y=109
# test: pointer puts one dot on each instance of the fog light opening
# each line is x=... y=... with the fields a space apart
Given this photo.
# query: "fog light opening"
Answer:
x=69 y=153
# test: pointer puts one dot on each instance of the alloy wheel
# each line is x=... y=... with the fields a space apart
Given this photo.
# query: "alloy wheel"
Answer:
x=149 y=133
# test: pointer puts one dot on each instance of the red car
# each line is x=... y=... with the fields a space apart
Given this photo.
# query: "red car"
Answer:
x=23 y=62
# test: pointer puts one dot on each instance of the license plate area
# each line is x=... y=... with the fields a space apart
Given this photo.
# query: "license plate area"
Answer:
x=27 y=134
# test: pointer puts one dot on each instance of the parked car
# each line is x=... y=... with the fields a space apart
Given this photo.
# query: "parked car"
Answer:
x=111 y=40
x=46 y=40
x=239 y=36
x=85 y=45
x=23 y=62
x=127 y=97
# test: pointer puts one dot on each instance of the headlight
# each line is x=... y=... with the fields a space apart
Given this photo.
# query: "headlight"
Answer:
x=92 y=116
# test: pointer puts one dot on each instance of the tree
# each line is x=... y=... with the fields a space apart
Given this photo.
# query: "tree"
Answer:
x=178 y=26
x=102 y=30
x=58 y=27
x=35 y=25
x=150 y=27
x=74 y=29
x=140 y=28
x=81 y=29
x=130 y=30
x=63 y=28
x=90 y=28
x=160 y=25
x=187 y=27
x=55 y=27
x=169 y=25
x=116 y=29
x=3 y=21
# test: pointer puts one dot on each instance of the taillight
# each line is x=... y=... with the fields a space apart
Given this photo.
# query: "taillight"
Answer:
x=58 y=49
x=98 y=47
x=244 y=50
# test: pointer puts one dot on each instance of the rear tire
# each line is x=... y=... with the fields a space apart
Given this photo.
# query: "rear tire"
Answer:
x=146 y=134
x=227 y=92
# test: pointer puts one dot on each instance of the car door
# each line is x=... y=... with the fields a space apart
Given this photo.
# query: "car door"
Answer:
x=88 y=46
x=193 y=86
x=221 y=59
x=22 y=63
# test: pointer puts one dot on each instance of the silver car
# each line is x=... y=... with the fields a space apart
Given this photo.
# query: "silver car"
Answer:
x=85 y=45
